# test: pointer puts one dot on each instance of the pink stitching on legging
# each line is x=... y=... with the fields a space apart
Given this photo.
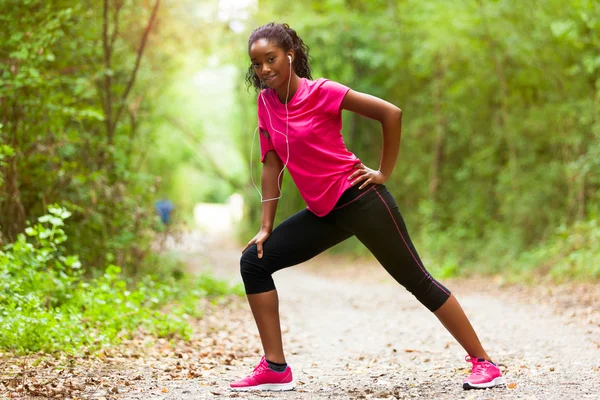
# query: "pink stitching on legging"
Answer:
x=406 y=244
x=356 y=198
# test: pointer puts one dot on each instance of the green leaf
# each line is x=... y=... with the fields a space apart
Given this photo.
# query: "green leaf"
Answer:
x=56 y=221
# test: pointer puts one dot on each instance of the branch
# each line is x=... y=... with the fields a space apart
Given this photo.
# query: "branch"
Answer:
x=101 y=96
x=107 y=80
x=116 y=23
x=137 y=61
x=132 y=111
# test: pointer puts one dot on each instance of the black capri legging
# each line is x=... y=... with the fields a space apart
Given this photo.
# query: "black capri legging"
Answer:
x=373 y=216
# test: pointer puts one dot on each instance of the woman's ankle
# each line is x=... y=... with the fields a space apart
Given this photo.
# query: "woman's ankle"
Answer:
x=275 y=358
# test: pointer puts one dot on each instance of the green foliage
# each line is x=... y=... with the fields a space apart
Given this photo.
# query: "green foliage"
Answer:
x=570 y=253
x=46 y=305
x=501 y=105
x=57 y=104
x=500 y=156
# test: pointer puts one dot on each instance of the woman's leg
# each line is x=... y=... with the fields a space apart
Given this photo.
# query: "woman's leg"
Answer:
x=452 y=316
x=297 y=239
x=388 y=240
x=265 y=309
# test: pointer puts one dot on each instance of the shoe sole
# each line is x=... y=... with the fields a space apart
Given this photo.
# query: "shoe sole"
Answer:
x=496 y=382
x=270 y=387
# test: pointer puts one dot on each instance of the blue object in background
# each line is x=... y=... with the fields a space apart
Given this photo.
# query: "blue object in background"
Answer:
x=164 y=208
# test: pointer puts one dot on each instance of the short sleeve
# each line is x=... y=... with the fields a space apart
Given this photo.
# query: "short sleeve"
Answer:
x=266 y=144
x=332 y=95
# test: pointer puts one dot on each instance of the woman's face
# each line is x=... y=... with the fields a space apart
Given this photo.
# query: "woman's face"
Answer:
x=270 y=63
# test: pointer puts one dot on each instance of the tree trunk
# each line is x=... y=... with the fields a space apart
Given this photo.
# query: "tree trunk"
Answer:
x=12 y=212
x=112 y=110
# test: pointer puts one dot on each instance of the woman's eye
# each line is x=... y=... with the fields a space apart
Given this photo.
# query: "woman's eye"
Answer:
x=271 y=59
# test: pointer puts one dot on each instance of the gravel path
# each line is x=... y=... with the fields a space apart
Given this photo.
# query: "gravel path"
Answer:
x=352 y=335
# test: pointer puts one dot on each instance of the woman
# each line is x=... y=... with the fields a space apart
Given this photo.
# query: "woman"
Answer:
x=300 y=123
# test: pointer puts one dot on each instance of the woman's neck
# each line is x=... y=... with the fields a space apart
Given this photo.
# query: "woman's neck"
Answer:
x=282 y=92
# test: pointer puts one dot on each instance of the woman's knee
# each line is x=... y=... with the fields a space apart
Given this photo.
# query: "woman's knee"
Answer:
x=430 y=293
x=249 y=262
x=255 y=274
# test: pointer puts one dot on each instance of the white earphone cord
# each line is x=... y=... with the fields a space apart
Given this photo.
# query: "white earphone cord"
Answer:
x=287 y=143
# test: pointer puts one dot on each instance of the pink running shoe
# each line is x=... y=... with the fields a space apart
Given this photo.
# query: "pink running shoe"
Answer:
x=483 y=375
x=264 y=378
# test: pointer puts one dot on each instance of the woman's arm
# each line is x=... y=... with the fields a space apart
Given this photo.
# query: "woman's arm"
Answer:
x=270 y=183
x=390 y=118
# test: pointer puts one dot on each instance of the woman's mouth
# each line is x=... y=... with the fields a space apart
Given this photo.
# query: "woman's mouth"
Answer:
x=270 y=78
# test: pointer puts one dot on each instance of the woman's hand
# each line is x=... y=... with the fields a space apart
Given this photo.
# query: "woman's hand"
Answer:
x=366 y=176
x=259 y=239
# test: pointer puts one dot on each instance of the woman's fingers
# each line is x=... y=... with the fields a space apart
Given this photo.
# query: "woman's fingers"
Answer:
x=258 y=240
x=360 y=173
x=361 y=178
x=259 y=247
x=357 y=173
x=365 y=183
x=358 y=180
x=250 y=243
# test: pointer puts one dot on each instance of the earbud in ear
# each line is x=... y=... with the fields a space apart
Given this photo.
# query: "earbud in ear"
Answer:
x=290 y=58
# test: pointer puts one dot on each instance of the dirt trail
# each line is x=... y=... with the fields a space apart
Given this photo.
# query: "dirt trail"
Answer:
x=352 y=332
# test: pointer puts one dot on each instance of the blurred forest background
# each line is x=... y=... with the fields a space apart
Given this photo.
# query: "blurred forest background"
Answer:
x=108 y=106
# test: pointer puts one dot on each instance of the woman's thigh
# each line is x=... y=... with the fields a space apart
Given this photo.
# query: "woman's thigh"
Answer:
x=376 y=221
x=297 y=239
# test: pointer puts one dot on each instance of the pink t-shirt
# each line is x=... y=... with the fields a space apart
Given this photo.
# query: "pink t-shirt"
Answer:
x=319 y=162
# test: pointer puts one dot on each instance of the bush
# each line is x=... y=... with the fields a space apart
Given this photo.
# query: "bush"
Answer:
x=570 y=253
x=46 y=305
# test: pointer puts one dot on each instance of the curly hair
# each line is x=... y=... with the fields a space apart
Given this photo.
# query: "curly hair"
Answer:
x=286 y=38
